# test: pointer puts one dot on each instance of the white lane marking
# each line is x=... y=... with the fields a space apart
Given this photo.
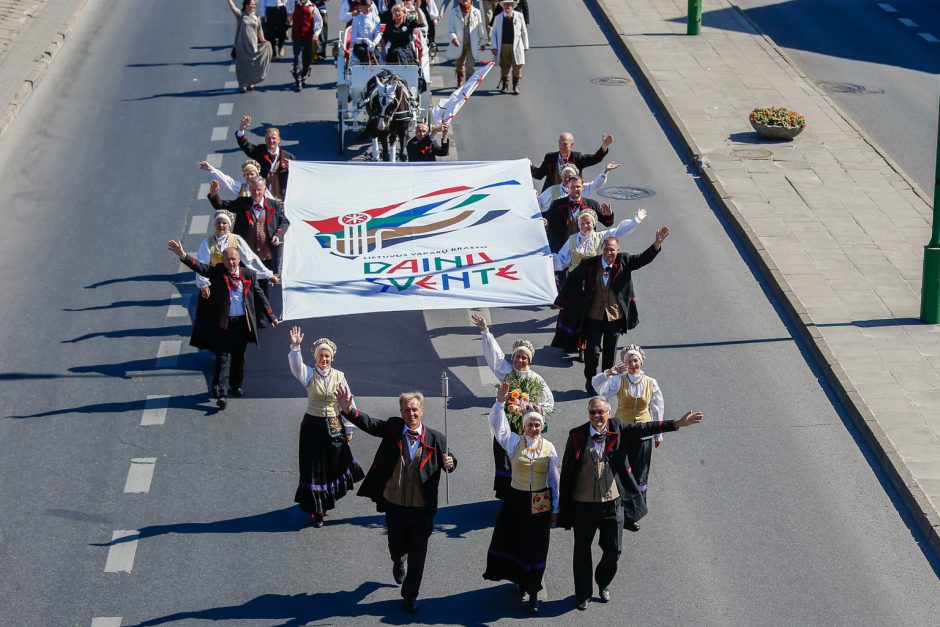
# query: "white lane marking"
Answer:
x=215 y=159
x=181 y=309
x=225 y=108
x=168 y=354
x=219 y=133
x=231 y=68
x=908 y=22
x=139 y=475
x=199 y=225
x=887 y=8
x=106 y=621
x=154 y=410
x=203 y=191
x=929 y=37
x=231 y=85
x=121 y=553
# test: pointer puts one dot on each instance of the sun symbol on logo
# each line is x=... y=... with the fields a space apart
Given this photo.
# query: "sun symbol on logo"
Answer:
x=353 y=219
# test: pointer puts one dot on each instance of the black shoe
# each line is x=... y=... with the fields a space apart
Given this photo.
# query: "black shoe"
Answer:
x=534 y=604
x=590 y=389
x=399 y=570
x=236 y=392
x=221 y=403
x=582 y=605
x=410 y=605
x=604 y=593
x=632 y=525
x=297 y=87
x=520 y=590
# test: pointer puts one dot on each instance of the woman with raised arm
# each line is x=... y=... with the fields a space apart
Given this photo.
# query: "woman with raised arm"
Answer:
x=524 y=386
x=639 y=400
x=587 y=241
x=327 y=467
x=251 y=51
x=553 y=193
x=519 y=546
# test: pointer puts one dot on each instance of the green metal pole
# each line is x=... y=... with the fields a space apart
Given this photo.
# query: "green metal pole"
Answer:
x=930 y=287
x=695 y=17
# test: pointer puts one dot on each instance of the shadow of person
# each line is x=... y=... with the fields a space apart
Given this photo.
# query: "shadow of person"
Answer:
x=191 y=401
x=456 y=521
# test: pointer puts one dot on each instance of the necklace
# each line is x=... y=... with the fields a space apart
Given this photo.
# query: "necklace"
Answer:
x=536 y=448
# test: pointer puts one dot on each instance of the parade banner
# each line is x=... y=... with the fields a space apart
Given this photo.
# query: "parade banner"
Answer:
x=367 y=237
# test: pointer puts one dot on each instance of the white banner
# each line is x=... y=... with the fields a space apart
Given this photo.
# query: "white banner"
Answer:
x=368 y=237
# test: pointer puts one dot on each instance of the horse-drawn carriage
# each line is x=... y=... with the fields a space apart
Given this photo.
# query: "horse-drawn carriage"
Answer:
x=389 y=100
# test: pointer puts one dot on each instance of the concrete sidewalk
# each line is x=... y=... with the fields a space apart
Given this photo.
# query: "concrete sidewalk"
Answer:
x=31 y=33
x=837 y=227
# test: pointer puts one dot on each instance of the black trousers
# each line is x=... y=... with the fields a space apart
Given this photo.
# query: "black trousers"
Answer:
x=303 y=57
x=408 y=531
x=596 y=333
x=229 y=371
x=589 y=518
x=276 y=22
x=640 y=454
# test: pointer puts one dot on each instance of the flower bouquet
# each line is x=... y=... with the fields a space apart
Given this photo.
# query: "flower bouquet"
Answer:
x=523 y=392
x=777 y=123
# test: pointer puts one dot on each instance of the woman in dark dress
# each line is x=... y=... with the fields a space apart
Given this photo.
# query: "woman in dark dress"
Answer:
x=327 y=467
x=397 y=37
x=519 y=546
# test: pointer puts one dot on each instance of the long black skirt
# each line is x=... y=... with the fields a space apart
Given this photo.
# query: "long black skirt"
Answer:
x=519 y=546
x=327 y=467
x=502 y=476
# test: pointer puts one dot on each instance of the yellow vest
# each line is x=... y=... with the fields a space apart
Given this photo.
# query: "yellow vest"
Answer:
x=632 y=409
x=530 y=475
x=321 y=393
x=593 y=250
x=215 y=252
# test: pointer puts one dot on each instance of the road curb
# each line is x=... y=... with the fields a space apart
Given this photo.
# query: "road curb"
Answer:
x=927 y=518
x=39 y=67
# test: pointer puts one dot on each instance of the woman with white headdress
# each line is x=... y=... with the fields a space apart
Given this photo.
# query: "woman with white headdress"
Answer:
x=525 y=387
x=328 y=469
x=519 y=546
x=587 y=242
x=210 y=251
x=553 y=193
x=639 y=399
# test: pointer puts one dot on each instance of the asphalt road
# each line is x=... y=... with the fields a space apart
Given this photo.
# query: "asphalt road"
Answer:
x=771 y=512
x=879 y=61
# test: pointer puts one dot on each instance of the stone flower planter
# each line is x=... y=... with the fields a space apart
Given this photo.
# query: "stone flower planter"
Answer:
x=777 y=133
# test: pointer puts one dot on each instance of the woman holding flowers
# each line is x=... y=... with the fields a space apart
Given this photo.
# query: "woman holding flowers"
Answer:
x=327 y=467
x=519 y=546
x=639 y=399
x=525 y=387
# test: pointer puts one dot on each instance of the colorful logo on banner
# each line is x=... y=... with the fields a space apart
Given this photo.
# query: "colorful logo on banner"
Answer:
x=362 y=232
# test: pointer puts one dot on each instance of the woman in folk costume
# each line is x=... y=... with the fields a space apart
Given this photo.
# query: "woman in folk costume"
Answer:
x=560 y=190
x=639 y=399
x=519 y=547
x=525 y=386
x=250 y=169
x=327 y=467
x=210 y=251
x=587 y=241
x=252 y=52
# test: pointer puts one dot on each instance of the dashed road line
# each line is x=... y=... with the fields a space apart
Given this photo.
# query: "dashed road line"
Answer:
x=929 y=37
x=225 y=108
x=887 y=8
x=199 y=225
x=214 y=159
x=203 y=191
x=231 y=85
x=106 y=621
x=180 y=309
x=122 y=552
x=908 y=22
x=168 y=354
x=155 y=410
x=139 y=475
x=219 y=133
x=231 y=68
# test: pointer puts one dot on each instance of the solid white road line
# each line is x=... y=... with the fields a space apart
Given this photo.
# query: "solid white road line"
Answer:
x=106 y=621
x=139 y=475
x=199 y=225
x=168 y=354
x=908 y=22
x=203 y=191
x=225 y=108
x=219 y=133
x=929 y=37
x=887 y=8
x=155 y=410
x=231 y=85
x=121 y=555
x=215 y=160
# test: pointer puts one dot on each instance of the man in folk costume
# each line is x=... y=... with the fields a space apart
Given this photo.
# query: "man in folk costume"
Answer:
x=403 y=483
x=598 y=303
x=561 y=217
x=230 y=321
x=598 y=492
x=306 y=25
x=509 y=39
x=553 y=162
x=274 y=161
x=211 y=249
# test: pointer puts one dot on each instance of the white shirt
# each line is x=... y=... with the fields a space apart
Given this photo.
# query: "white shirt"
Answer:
x=562 y=259
x=304 y=374
x=413 y=448
x=366 y=28
x=275 y=3
x=555 y=192
x=598 y=446
x=501 y=366
x=236 y=305
x=604 y=266
x=610 y=386
x=231 y=184
x=249 y=258
x=499 y=427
